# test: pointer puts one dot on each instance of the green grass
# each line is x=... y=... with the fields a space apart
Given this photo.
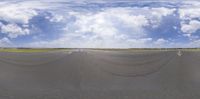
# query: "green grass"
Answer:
x=150 y=49
x=131 y=49
x=191 y=49
x=29 y=50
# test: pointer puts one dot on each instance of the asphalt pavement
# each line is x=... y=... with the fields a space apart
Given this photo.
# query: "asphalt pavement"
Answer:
x=100 y=74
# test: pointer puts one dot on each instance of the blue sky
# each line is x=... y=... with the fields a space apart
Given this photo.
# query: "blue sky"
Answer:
x=99 y=24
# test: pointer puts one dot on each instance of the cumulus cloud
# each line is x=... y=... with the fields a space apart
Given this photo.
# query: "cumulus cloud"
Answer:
x=157 y=14
x=14 y=13
x=13 y=30
x=16 y=16
x=5 y=42
x=192 y=27
x=109 y=23
x=119 y=26
x=23 y=11
x=97 y=24
x=56 y=18
x=194 y=43
x=19 y=13
x=110 y=27
x=189 y=15
x=161 y=43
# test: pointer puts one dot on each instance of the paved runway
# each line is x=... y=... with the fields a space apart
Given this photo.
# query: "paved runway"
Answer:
x=97 y=74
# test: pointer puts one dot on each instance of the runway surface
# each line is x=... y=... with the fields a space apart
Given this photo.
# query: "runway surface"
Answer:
x=98 y=74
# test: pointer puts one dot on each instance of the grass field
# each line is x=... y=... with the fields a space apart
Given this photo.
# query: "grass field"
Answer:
x=150 y=49
x=29 y=50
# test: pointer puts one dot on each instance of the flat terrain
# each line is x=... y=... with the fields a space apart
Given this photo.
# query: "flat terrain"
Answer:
x=100 y=74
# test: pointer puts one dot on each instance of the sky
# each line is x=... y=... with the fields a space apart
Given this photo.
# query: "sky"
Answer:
x=100 y=23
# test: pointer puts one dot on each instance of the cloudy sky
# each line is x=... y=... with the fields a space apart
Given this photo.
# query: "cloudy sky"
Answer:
x=99 y=24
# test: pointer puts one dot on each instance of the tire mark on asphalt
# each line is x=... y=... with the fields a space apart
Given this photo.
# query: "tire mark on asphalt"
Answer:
x=7 y=61
x=169 y=58
x=140 y=74
x=138 y=63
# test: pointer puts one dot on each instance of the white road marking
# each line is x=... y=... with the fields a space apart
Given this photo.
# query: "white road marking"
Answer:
x=70 y=52
x=179 y=53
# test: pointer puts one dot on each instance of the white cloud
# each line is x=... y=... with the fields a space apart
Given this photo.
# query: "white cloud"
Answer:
x=195 y=43
x=155 y=15
x=5 y=42
x=161 y=43
x=110 y=27
x=23 y=11
x=16 y=13
x=109 y=23
x=105 y=27
x=162 y=11
x=188 y=15
x=13 y=30
x=192 y=27
x=56 y=18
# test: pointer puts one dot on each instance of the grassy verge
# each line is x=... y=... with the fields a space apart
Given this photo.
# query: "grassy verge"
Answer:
x=28 y=50
x=151 y=49
x=133 y=49
x=191 y=49
x=31 y=50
